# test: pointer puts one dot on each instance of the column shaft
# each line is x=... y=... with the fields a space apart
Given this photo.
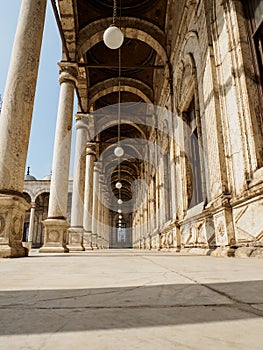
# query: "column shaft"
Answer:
x=88 y=197
x=31 y=223
x=95 y=206
x=19 y=96
x=61 y=156
x=75 y=232
x=56 y=225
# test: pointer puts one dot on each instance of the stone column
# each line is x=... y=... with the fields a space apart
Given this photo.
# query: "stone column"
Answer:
x=88 y=196
x=107 y=219
x=103 y=214
x=15 y=123
x=31 y=223
x=75 y=232
x=98 y=214
x=56 y=225
x=95 y=205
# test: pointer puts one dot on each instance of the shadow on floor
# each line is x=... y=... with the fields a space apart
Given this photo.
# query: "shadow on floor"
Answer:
x=41 y=311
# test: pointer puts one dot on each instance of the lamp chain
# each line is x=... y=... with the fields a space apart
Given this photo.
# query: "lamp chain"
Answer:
x=119 y=111
x=114 y=12
x=119 y=117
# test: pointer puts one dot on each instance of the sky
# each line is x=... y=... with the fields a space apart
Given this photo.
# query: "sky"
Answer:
x=41 y=143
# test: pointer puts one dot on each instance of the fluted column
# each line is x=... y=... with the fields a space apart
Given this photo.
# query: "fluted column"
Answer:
x=88 y=196
x=15 y=124
x=56 y=225
x=95 y=205
x=75 y=232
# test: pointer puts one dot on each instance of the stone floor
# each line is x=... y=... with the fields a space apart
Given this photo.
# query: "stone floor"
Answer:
x=130 y=300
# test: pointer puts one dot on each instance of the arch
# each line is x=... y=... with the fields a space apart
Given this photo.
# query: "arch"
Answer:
x=116 y=88
x=135 y=29
x=27 y=195
x=41 y=191
x=105 y=123
x=127 y=84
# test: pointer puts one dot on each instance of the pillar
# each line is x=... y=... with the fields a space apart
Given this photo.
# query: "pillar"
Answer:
x=15 y=123
x=107 y=219
x=88 y=195
x=55 y=225
x=75 y=232
x=100 y=224
x=95 y=205
x=31 y=223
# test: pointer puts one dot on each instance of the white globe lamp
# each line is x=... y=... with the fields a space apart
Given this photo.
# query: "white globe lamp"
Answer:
x=120 y=202
x=119 y=152
x=113 y=37
x=119 y=211
x=118 y=185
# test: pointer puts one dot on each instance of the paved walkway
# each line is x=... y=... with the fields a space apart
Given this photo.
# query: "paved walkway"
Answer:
x=130 y=300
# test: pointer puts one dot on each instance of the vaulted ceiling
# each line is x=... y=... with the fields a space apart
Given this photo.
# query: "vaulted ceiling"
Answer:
x=142 y=57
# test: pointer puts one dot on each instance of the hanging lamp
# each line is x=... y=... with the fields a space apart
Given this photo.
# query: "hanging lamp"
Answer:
x=118 y=185
x=113 y=36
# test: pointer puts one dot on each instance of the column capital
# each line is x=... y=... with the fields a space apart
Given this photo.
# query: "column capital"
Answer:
x=68 y=72
x=80 y=116
x=91 y=149
x=81 y=121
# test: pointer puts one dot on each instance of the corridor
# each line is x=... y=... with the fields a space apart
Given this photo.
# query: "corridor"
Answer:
x=128 y=299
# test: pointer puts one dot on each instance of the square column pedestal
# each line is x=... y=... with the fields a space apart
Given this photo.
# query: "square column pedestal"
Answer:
x=224 y=233
x=87 y=240
x=12 y=215
x=55 y=236
x=75 y=239
x=94 y=239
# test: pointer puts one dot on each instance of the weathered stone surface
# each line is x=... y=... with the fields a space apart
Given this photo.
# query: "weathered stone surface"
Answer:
x=151 y=300
x=55 y=236
x=12 y=212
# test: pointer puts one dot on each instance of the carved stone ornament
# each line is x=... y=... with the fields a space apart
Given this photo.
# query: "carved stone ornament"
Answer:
x=2 y=225
x=53 y=236
x=16 y=226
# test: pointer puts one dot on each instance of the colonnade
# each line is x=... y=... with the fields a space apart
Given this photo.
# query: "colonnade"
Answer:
x=15 y=124
x=208 y=199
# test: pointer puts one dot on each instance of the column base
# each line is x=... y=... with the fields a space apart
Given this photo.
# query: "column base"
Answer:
x=94 y=239
x=75 y=238
x=87 y=240
x=99 y=242
x=55 y=231
x=12 y=214
x=18 y=251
